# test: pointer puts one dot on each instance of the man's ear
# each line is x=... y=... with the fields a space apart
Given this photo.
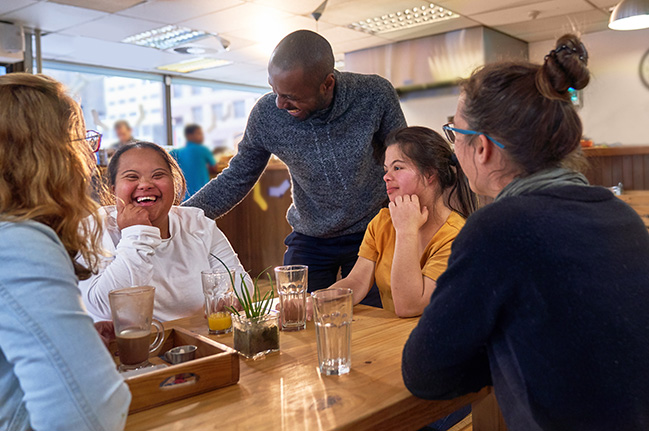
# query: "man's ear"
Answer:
x=328 y=83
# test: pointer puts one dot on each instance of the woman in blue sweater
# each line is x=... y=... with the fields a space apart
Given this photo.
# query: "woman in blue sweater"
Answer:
x=55 y=373
x=546 y=295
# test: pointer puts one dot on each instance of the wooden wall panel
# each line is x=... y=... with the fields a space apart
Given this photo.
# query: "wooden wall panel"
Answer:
x=257 y=234
x=626 y=165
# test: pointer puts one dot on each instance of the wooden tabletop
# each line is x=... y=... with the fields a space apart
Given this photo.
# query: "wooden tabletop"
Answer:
x=285 y=390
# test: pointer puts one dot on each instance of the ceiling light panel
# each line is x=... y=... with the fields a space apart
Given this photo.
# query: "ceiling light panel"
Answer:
x=404 y=19
x=194 y=64
x=166 y=37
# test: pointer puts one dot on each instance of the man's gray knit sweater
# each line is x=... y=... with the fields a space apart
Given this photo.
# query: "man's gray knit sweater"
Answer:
x=337 y=183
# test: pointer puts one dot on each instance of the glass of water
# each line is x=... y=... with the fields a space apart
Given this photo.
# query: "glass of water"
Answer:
x=333 y=325
x=292 y=286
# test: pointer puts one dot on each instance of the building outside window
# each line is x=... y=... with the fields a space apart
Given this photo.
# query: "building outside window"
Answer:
x=221 y=126
x=107 y=96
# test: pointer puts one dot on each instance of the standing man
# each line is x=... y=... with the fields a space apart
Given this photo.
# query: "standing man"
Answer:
x=327 y=127
x=195 y=160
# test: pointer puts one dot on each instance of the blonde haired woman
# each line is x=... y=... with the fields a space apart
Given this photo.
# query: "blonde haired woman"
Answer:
x=55 y=372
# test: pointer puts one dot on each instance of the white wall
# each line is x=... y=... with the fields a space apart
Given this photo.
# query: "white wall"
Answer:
x=616 y=103
x=430 y=108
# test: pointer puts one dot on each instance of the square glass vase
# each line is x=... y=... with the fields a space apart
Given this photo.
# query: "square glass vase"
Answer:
x=257 y=336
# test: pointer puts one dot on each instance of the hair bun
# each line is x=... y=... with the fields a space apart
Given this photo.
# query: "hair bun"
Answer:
x=564 y=67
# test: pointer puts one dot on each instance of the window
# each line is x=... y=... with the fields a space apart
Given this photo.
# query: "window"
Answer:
x=92 y=90
x=239 y=107
x=108 y=95
x=217 y=111
x=197 y=114
x=212 y=108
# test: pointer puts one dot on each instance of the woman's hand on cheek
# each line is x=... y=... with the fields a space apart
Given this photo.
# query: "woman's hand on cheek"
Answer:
x=407 y=215
x=131 y=215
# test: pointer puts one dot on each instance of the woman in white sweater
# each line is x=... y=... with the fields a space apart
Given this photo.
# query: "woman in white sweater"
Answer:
x=151 y=241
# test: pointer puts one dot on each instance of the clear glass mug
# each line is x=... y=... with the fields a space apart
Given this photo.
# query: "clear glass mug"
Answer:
x=292 y=283
x=219 y=294
x=132 y=311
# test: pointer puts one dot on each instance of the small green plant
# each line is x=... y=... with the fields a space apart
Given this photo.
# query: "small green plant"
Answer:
x=255 y=305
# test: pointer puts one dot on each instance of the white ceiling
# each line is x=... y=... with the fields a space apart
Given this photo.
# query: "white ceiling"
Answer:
x=90 y=31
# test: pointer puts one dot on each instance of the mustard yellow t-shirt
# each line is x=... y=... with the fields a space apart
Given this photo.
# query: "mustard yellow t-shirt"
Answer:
x=378 y=246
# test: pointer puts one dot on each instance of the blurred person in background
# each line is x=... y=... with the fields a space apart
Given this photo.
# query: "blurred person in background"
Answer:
x=195 y=160
x=124 y=134
x=55 y=373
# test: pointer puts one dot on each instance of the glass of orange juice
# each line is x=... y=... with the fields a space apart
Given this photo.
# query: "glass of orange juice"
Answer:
x=219 y=294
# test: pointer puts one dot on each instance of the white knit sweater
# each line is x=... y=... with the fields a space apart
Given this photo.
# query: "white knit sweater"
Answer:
x=138 y=257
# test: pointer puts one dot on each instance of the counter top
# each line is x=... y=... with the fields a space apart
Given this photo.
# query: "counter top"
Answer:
x=622 y=150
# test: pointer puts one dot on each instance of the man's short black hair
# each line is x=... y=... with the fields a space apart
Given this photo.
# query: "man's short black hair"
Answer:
x=190 y=129
x=306 y=50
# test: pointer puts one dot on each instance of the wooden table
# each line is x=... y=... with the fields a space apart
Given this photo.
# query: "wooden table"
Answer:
x=639 y=201
x=285 y=391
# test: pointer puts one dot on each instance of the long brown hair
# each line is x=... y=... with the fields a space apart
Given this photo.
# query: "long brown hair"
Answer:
x=45 y=164
x=527 y=107
x=432 y=155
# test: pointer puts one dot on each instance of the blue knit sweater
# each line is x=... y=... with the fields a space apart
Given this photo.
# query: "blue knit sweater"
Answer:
x=337 y=183
x=547 y=296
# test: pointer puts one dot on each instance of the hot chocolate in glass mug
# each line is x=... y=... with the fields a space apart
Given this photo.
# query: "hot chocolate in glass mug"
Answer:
x=132 y=311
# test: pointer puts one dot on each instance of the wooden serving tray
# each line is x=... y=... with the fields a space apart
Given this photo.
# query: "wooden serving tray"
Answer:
x=216 y=365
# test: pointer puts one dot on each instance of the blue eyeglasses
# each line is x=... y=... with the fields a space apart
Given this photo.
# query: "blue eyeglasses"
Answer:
x=450 y=135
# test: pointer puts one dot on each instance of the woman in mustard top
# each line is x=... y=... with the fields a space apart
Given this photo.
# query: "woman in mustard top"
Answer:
x=406 y=246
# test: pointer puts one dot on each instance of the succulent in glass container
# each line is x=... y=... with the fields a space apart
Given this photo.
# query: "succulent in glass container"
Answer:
x=255 y=328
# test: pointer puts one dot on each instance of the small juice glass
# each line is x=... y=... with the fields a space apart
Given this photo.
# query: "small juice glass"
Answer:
x=219 y=294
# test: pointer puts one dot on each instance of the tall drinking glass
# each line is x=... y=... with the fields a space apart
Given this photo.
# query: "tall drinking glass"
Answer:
x=333 y=325
x=219 y=294
x=132 y=311
x=292 y=286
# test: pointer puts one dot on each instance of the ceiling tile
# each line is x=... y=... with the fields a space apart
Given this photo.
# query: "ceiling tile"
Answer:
x=545 y=9
x=101 y=5
x=468 y=7
x=301 y=7
x=271 y=35
x=12 y=5
x=112 y=28
x=428 y=30
x=346 y=12
x=175 y=11
x=52 y=16
x=248 y=16
x=605 y=4
x=554 y=27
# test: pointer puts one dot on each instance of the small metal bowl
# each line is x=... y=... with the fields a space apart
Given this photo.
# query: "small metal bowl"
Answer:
x=180 y=354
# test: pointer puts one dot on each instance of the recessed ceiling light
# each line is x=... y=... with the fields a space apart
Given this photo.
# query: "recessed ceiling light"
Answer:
x=166 y=37
x=194 y=65
x=400 y=20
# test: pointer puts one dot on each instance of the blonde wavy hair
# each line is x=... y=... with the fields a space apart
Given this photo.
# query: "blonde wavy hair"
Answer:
x=46 y=165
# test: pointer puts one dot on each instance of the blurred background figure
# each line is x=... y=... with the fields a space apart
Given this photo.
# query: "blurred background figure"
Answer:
x=195 y=160
x=124 y=134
